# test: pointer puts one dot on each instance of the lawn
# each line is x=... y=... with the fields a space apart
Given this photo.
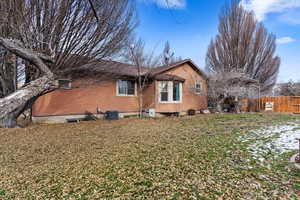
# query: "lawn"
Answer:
x=199 y=157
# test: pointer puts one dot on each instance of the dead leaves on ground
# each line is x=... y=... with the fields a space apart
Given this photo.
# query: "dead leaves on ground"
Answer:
x=186 y=158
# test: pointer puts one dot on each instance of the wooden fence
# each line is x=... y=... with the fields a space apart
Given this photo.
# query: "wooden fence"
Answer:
x=282 y=104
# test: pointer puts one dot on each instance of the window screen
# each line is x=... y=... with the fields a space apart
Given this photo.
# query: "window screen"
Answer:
x=198 y=87
x=164 y=94
x=176 y=91
x=126 y=87
x=64 y=84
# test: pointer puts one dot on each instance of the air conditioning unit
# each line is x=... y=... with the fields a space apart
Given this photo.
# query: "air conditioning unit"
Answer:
x=151 y=112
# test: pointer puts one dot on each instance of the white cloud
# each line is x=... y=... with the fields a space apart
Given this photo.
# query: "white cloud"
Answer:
x=262 y=7
x=170 y=4
x=285 y=40
x=292 y=17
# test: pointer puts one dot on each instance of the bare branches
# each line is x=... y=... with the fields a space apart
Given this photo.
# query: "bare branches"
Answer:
x=15 y=47
x=243 y=45
x=94 y=10
x=136 y=55
x=236 y=85
x=54 y=35
x=19 y=98
x=289 y=89
x=64 y=28
x=168 y=57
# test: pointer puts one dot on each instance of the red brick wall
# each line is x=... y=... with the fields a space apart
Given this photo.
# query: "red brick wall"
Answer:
x=190 y=100
x=86 y=99
x=149 y=96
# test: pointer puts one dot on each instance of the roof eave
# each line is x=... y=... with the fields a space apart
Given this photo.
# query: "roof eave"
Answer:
x=195 y=67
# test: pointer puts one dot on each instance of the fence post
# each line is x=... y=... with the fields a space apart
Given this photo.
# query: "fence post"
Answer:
x=259 y=98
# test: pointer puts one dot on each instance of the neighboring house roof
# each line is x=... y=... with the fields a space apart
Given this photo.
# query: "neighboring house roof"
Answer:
x=113 y=69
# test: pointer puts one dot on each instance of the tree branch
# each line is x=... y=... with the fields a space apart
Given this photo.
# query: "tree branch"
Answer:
x=21 y=97
x=17 y=48
x=94 y=10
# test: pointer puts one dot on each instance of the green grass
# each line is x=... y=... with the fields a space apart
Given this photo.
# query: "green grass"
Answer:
x=2 y=192
x=173 y=158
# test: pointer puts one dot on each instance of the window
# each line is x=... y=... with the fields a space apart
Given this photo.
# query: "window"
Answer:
x=170 y=92
x=164 y=92
x=64 y=84
x=126 y=88
x=198 y=87
x=176 y=91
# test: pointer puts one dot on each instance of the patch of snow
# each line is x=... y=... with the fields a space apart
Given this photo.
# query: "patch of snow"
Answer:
x=271 y=141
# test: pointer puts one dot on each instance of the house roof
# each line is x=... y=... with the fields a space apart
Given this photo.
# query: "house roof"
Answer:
x=110 y=68
x=163 y=69
x=168 y=77
x=113 y=69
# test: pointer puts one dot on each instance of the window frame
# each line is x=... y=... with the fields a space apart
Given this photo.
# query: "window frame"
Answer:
x=198 y=82
x=64 y=88
x=170 y=92
x=161 y=88
x=126 y=95
x=173 y=95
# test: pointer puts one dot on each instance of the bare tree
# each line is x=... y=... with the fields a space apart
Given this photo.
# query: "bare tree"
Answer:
x=289 y=89
x=233 y=85
x=145 y=62
x=11 y=69
x=243 y=45
x=168 y=57
x=8 y=73
x=56 y=34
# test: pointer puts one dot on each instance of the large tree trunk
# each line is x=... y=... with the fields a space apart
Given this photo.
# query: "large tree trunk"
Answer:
x=10 y=120
x=10 y=104
x=219 y=105
x=19 y=98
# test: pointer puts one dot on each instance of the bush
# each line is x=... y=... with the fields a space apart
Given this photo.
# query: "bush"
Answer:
x=191 y=112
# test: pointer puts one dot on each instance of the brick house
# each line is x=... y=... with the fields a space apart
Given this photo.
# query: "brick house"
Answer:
x=106 y=85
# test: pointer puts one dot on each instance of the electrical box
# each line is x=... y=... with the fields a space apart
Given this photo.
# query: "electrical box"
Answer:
x=151 y=112
x=269 y=106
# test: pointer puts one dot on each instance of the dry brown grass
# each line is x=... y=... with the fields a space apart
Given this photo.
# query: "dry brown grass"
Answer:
x=152 y=158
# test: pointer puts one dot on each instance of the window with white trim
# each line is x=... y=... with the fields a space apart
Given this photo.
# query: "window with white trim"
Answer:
x=170 y=92
x=198 y=87
x=176 y=91
x=164 y=91
x=126 y=87
x=64 y=84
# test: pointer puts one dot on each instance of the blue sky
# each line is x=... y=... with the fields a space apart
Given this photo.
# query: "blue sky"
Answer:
x=189 y=25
